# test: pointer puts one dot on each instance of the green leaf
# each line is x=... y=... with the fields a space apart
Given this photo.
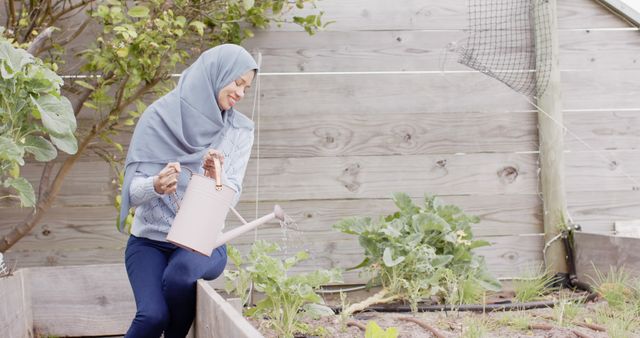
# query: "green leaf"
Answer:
x=478 y=244
x=13 y=58
x=248 y=4
x=441 y=260
x=24 y=189
x=318 y=310
x=388 y=259
x=122 y=52
x=198 y=26
x=404 y=203
x=15 y=170
x=488 y=282
x=11 y=151
x=65 y=142
x=85 y=84
x=40 y=147
x=365 y=262
x=57 y=114
x=375 y=331
x=139 y=12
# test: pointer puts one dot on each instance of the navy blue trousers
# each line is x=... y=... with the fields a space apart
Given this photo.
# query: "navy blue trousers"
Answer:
x=163 y=278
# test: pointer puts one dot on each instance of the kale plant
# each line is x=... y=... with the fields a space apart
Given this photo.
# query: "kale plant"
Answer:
x=34 y=117
x=287 y=298
x=420 y=252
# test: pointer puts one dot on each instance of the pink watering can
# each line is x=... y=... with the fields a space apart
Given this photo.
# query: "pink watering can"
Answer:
x=201 y=214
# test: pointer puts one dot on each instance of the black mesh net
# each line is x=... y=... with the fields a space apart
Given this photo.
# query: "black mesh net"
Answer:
x=510 y=40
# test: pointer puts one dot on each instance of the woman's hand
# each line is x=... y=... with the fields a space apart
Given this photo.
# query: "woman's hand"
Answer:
x=166 y=182
x=208 y=163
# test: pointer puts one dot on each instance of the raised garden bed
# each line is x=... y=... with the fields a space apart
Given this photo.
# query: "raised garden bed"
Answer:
x=96 y=300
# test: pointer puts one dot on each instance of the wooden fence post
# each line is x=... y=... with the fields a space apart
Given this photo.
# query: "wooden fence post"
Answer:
x=551 y=143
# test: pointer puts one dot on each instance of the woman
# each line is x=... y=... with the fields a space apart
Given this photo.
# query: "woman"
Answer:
x=189 y=126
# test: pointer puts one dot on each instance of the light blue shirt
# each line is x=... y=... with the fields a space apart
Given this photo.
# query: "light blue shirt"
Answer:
x=154 y=213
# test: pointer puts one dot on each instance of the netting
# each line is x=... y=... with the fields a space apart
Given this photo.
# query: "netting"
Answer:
x=510 y=40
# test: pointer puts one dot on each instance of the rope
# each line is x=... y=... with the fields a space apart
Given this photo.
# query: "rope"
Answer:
x=256 y=106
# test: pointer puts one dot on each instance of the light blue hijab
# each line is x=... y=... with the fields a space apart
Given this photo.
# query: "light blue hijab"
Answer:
x=183 y=124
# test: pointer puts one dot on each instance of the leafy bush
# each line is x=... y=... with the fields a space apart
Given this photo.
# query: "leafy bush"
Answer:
x=418 y=251
x=33 y=115
x=285 y=295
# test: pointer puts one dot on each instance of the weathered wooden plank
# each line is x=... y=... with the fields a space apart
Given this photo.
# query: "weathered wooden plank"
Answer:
x=442 y=93
x=416 y=15
x=67 y=301
x=593 y=49
x=602 y=171
x=408 y=50
x=88 y=183
x=216 y=318
x=602 y=130
x=288 y=96
x=601 y=89
x=77 y=228
x=343 y=177
x=16 y=317
x=603 y=252
x=424 y=50
x=336 y=51
x=377 y=177
x=398 y=133
x=596 y=211
x=504 y=258
x=392 y=134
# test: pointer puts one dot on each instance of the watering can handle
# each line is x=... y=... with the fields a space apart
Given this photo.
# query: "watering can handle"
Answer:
x=218 y=166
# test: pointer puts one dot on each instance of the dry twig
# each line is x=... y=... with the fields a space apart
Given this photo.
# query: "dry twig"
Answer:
x=357 y=324
x=580 y=334
x=425 y=326
x=593 y=327
x=541 y=326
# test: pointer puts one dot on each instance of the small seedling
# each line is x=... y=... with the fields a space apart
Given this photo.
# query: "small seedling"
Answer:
x=375 y=331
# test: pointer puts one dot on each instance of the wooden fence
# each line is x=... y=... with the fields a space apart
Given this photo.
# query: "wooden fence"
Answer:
x=338 y=133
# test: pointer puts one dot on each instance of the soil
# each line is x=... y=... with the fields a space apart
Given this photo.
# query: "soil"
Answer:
x=458 y=324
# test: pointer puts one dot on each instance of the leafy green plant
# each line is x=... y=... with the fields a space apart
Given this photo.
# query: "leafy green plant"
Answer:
x=375 y=331
x=237 y=281
x=287 y=298
x=534 y=284
x=415 y=251
x=140 y=45
x=33 y=118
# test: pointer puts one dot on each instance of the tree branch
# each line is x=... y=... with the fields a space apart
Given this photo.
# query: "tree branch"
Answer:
x=11 y=17
x=44 y=179
x=34 y=47
x=81 y=4
x=70 y=38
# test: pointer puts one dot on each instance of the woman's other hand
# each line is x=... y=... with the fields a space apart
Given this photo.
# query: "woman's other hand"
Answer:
x=166 y=182
x=209 y=164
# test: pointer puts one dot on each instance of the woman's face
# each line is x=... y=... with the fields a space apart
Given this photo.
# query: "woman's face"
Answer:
x=234 y=92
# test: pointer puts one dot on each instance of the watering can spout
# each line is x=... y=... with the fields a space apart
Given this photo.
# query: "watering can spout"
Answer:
x=225 y=237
